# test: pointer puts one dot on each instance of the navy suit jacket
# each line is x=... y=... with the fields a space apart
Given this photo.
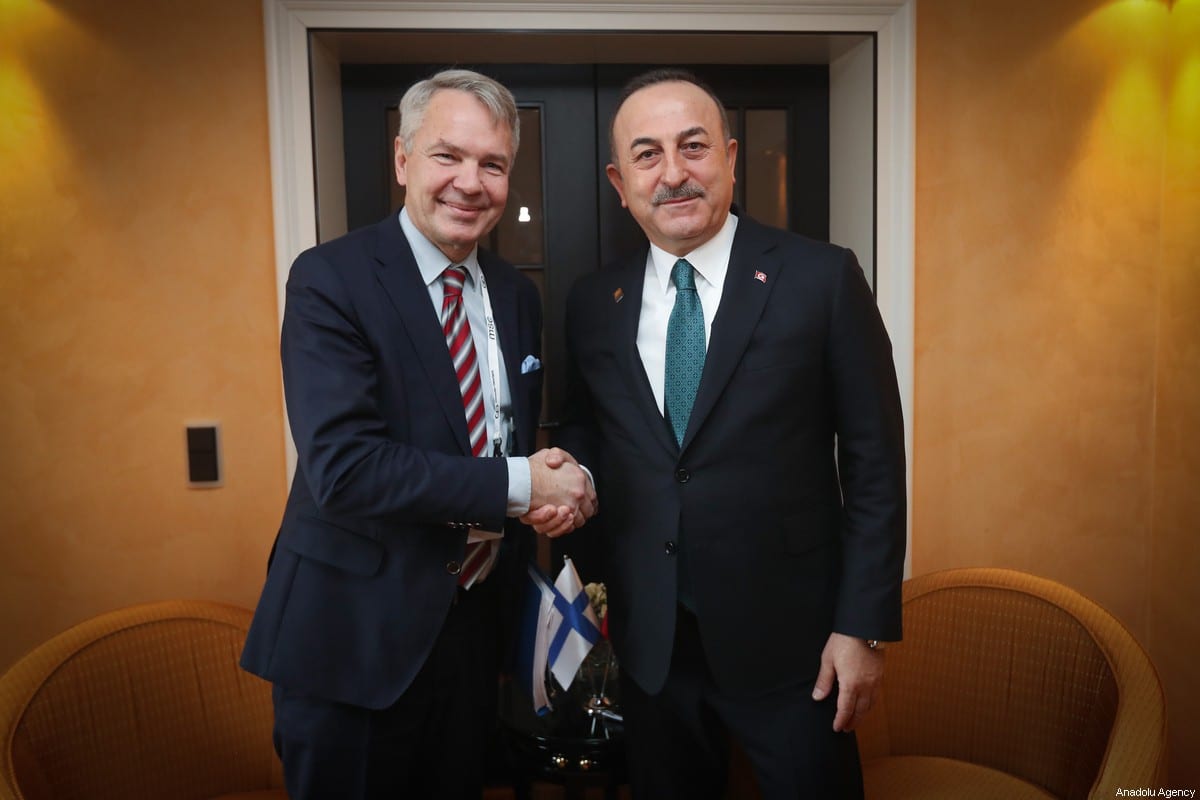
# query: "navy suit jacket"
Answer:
x=787 y=497
x=361 y=576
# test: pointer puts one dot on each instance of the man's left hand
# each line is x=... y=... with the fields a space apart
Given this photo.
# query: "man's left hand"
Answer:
x=858 y=671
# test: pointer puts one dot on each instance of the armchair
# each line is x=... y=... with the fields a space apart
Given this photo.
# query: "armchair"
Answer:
x=1011 y=686
x=145 y=702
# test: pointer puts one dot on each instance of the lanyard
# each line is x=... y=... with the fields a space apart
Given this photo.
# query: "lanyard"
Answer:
x=493 y=353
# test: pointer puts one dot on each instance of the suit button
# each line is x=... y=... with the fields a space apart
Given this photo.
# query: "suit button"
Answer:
x=682 y=475
x=671 y=548
x=453 y=567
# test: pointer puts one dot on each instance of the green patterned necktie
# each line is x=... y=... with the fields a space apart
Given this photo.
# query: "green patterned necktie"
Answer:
x=685 y=349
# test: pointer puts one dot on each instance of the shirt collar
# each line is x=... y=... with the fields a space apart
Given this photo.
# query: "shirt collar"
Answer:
x=710 y=260
x=431 y=261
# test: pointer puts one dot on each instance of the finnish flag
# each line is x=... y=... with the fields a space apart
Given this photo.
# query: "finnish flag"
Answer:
x=574 y=628
x=557 y=632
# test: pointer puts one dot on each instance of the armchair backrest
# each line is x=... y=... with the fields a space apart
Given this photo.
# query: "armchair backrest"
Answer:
x=1023 y=675
x=147 y=701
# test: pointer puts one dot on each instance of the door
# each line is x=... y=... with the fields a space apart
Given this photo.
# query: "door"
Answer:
x=563 y=219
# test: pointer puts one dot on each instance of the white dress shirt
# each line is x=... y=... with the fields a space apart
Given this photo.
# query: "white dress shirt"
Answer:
x=432 y=262
x=711 y=262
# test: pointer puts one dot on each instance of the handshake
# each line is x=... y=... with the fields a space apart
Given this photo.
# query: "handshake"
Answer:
x=562 y=497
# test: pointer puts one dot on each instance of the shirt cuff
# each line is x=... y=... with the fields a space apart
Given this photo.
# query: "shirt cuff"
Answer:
x=520 y=486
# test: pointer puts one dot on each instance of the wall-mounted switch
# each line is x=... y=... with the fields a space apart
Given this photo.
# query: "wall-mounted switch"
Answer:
x=204 y=455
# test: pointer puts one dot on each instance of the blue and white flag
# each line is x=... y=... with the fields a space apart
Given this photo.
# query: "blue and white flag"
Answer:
x=534 y=642
x=573 y=626
x=558 y=630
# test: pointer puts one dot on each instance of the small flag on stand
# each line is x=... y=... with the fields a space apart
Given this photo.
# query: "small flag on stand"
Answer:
x=534 y=639
x=573 y=626
x=558 y=630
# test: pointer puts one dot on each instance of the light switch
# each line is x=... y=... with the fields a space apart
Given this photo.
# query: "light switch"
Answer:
x=204 y=455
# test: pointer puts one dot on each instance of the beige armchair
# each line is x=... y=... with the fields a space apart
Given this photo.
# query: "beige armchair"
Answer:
x=145 y=702
x=1011 y=686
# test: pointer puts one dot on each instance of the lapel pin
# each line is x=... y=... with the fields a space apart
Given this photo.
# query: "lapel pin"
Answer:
x=760 y=276
x=618 y=295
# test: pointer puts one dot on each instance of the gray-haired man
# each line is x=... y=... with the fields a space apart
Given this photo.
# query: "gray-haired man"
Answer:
x=413 y=382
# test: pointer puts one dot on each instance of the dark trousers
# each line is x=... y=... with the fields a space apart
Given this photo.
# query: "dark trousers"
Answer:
x=431 y=743
x=678 y=740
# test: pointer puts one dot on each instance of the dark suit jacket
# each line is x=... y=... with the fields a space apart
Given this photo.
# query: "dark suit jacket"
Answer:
x=360 y=579
x=784 y=543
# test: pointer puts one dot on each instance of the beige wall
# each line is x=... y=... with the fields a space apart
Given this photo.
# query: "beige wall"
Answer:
x=1058 y=291
x=136 y=292
x=1174 y=628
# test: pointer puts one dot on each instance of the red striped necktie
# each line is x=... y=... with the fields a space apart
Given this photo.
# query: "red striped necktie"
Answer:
x=479 y=555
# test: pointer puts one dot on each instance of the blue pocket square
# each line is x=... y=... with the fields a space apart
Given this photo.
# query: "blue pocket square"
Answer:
x=530 y=364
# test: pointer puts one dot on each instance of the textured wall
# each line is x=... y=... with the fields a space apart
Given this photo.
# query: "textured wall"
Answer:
x=1058 y=291
x=1175 y=541
x=136 y=292
x=1058 y=308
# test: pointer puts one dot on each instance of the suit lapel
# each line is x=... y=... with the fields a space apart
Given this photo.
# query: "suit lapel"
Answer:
x=742 y=302
x=630 y=285
x=401 y=280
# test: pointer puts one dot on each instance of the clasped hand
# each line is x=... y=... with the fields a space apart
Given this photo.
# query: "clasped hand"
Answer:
x=562 y=497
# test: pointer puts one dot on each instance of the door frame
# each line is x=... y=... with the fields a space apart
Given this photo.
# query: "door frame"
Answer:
x=291 y=64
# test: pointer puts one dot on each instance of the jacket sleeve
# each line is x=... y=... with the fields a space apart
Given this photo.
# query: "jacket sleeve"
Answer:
x=871 y=464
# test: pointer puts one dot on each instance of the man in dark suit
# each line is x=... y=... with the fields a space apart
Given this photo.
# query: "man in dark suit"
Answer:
x=413 y=384
x=734 y=392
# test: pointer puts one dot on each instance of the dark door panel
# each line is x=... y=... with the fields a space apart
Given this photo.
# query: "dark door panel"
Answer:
x=584 y=227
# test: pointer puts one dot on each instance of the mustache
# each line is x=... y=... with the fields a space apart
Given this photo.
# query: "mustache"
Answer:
x=684 y=192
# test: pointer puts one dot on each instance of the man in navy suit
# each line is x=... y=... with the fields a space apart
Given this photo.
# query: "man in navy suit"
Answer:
x=413 y=384
x=734 y=392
